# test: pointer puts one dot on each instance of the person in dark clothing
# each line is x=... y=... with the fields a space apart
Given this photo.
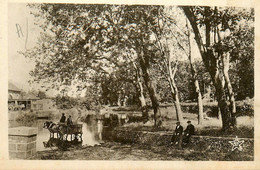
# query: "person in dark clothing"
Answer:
x=177 y=136
x=69 y=121
x=63 y=118
x=190 y=130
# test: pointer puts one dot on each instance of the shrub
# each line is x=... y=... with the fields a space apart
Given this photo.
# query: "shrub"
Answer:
x=27 y=118
x=47 y=113
x=127 y=108
x=244 y=108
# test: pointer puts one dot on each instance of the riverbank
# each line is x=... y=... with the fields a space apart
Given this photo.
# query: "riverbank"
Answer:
x=132 y=150
x=118 y=151
x=105 y=151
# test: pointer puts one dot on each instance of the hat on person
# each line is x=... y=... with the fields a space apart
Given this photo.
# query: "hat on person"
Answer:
x=178 y=122
x=188 y=121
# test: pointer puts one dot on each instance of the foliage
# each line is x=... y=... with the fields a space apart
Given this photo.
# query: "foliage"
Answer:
x=65 y=102
x=27 y=118
x=95 y=46
x=184 y=82
x=244 y=108
x=42 y=95
x=237 y=37
x=221 y=46
x=119 y=85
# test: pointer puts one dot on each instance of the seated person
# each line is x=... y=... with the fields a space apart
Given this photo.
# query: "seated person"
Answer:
x=63 y=118
x=177 y=136
x=190 y=130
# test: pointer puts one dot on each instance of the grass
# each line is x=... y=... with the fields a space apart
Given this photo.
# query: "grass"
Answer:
x=210 y=127
x=118 y=151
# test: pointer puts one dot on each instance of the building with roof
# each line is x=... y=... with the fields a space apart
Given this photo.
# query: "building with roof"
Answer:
x=13 y=92
x=17 y=100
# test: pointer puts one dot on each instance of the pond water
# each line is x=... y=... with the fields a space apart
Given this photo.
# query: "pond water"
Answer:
x=92 y=133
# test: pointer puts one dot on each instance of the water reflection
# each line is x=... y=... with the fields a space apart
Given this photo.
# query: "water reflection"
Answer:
x=92 y=131
x=55 y=143
x=92 y=134
x=88 y=136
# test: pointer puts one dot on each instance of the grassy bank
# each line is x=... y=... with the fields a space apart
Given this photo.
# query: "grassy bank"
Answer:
x=210 y=127
x=117 y=151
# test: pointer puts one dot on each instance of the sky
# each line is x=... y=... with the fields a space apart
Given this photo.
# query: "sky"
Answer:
x=20 y=36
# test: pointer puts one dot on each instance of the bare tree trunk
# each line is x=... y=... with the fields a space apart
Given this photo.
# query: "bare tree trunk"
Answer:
x=151 y=90
x=140 y=86
x=140 y=90
x=178 y=107
x=174 y=89
x=221 y=98
x=200 y=102
x=219 y=114
x=124 y=100
x=119 y=99
x=171 y=75
x=196 y=84
x=144 y=108
x=141 y=97
x=225 y=61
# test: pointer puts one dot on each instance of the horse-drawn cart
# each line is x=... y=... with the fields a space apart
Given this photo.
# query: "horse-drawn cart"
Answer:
x=63 y=131
x=75 y=130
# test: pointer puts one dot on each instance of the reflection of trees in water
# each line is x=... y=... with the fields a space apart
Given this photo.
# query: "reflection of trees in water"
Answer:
x=95 y=126
x=95 y=123
x=111 y=121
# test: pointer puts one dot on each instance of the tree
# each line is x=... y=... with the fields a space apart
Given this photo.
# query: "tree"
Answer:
x=179 y=40
x=41 y=95
x=195 y=81
x=81 y=40
x=65 y=102
x=166 y=44
x=216 y=51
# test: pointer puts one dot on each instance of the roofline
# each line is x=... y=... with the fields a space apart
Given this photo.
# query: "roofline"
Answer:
x=15 y=90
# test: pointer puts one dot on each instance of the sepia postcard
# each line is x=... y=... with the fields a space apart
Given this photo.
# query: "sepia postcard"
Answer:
x=129 y=84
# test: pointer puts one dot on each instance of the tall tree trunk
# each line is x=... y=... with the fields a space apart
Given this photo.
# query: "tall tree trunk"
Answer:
x=211 y=62
x=196 y=83
x=140 y=90
x=225 y=61
x=144 y=108
x=174 y=89
x=139 y=86
x=119 y=100
x=141 y=95
x=200 y=102
x=222 y=102
x=151 y=90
